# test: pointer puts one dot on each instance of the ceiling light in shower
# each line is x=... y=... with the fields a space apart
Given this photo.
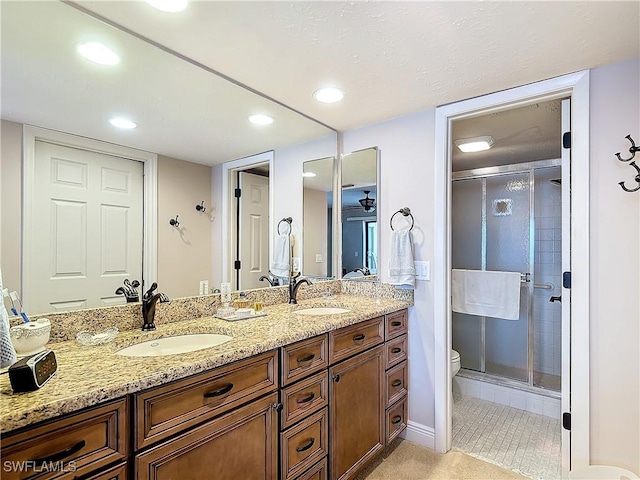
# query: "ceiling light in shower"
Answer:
x=261 y=119
x=328 y=95
x=98 y=53
x=171 y=6
x=123 y=123
x=476 y=144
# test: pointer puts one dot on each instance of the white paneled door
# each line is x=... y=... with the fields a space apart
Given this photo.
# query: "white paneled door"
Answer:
x=253 y=233
x=86 y=228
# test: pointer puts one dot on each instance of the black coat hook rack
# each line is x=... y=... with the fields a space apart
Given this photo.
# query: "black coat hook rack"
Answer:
x=174 y=222
x=201 y=207
x=632 y=150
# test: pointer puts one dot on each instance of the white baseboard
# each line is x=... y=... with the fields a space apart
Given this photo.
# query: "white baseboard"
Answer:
x=420 y=434
x=531 y=402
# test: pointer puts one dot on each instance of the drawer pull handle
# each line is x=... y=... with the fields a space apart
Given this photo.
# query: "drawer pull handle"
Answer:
x=396 y=420
x=396 y=323
x=358 y=338
x=306 y=358
x=306 y=398
x=56 y=457
x=221 y=391
x=396 y=383
x=396 y=350
x=306 y=446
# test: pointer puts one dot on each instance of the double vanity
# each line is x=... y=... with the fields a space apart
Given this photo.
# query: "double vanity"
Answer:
x=310 y=391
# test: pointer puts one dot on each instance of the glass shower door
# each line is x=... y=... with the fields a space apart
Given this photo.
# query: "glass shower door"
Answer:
x=492 y=230
x=508 y=241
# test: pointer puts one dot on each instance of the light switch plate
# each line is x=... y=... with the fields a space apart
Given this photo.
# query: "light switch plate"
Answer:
x=423 y=270
x=318 y=258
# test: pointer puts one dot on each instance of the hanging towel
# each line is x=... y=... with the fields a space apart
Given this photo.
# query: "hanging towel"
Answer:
x=486 y=293
x=7 y=352
x=402 y=272
x=281 y=262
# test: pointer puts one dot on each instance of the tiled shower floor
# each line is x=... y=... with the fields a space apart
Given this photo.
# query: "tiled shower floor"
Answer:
x=525 y=442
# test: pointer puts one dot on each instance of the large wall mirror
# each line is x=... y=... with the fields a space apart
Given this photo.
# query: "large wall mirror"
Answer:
x=190 y=121
x=359 y=213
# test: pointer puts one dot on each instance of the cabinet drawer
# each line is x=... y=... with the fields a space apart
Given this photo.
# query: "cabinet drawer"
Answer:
x=396 y=420
x=395 y=351
x=163 y=411
x=348 y=341
x=304 y=398
x=303 y=445
x=396 y=383
x=241 y=444
x=396 y=324
x=69 y=447
x=118 y=472
x=303 y=358
x=317 y=472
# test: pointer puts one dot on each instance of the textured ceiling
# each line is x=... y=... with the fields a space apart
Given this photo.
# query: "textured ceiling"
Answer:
x=392 y=57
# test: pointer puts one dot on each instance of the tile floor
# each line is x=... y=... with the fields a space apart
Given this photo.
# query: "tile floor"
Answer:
x=521 y=441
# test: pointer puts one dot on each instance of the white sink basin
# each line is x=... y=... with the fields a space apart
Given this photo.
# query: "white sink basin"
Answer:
x=322 y=311
x=173 y=345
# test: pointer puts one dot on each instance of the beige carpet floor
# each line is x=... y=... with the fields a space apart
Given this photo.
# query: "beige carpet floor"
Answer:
x=404 y=460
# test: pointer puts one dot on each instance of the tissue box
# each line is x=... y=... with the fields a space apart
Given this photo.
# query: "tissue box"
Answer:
x=29 y=338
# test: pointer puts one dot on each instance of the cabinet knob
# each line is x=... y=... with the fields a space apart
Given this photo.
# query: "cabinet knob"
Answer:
x=277 y=406
x=336 y=378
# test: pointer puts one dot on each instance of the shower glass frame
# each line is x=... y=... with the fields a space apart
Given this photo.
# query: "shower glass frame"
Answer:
x=494 y=171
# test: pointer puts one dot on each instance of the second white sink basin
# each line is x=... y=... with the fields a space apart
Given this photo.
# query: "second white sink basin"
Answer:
x=173 y=345
x=322 y=311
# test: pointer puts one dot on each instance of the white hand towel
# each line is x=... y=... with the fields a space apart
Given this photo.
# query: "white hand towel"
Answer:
x=281 y=261
x=486 y=293
x=402 y=272
x=7 y=352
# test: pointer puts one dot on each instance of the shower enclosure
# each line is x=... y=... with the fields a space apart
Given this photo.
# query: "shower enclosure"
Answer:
x=509 y=218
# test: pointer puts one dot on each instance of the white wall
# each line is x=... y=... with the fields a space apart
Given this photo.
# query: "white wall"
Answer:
x=407 y=157
x=615 y=267
x=406 y=169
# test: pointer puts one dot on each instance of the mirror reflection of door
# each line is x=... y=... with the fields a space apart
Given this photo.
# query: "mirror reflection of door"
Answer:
x=317 y=228
x=252 y=227
x=359 y=213
x=85 y=231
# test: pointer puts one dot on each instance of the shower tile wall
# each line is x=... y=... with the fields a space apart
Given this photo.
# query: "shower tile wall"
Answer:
x=548 y=269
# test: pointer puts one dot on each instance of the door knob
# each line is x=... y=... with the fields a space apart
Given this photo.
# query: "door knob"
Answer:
x=556 y=299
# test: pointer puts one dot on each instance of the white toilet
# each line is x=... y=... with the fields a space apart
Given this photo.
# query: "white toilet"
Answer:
x=455 y=363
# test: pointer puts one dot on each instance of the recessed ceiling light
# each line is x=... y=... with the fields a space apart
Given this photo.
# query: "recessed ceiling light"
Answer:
x=308 y=174
x=98 y=53
x=261 y=119
x=171 y=6
x=123 y=123
x=328 y=95
x=476 y=144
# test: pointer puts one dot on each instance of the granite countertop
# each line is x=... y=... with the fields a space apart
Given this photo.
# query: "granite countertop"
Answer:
x=87 y=376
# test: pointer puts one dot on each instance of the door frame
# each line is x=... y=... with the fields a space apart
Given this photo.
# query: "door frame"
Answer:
x=31 y=134
x=576 y=86
x=228 y=169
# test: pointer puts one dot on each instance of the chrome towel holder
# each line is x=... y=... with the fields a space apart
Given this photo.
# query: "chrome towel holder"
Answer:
x=405 y=212
x=287 y=220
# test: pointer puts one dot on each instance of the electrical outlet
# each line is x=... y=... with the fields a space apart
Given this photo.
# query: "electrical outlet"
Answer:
x=204 y=287
x=423 y=270
x=318 y=258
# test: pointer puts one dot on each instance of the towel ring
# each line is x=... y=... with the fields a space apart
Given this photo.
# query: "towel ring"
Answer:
x=406 y=212
x=286 y=220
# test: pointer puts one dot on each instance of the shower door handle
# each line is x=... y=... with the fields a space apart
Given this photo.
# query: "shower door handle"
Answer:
x=556 y=299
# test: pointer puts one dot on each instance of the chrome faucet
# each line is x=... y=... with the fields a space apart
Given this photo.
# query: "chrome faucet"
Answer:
x=149 y=301
x=294 y=284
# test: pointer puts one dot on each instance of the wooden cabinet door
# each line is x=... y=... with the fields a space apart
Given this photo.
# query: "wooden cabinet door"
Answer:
x=356 y=402
x=242 y=444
